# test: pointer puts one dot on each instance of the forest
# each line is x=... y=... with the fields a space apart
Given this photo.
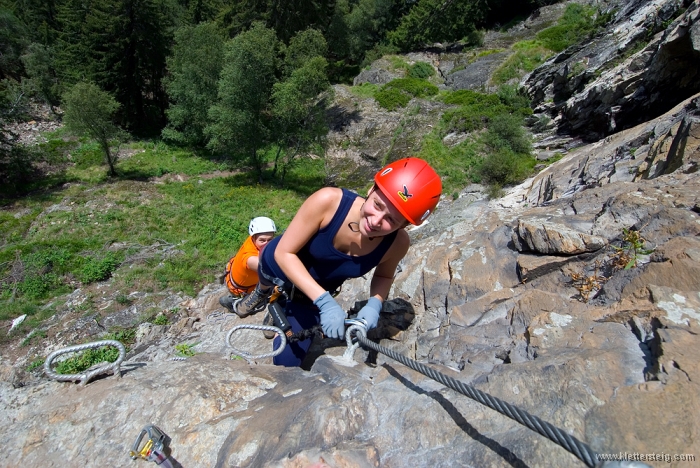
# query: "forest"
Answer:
x=231 y=78
x=174 y=123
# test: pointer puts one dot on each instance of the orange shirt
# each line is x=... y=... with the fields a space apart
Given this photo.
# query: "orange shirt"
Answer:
x=241 y=279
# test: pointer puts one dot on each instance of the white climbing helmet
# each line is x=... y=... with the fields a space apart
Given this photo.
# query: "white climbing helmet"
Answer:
x=261 y=224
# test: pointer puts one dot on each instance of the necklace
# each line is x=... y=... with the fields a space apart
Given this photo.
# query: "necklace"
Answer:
x=356 y=228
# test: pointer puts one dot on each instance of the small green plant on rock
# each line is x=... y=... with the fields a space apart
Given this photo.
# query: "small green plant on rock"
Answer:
x=123 y=299
x=627 y=255
x=161 y=319
x=624 y=257
x=185 y=349
x=35 y=364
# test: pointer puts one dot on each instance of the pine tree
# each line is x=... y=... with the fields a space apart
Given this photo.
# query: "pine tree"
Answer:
x=13 y=40
x=41 y=19
x=121 y=45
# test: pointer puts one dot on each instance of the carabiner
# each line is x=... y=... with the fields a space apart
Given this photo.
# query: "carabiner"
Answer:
x=154 y=448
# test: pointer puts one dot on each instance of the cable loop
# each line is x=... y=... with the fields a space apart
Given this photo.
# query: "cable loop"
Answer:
x=108 y=368
x=251 y=357
x=357 y=327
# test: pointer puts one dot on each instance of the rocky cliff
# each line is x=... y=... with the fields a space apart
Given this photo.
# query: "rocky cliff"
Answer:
x=575 y=297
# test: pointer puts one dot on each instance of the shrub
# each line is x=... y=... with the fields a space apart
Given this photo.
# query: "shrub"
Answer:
x=413 y=86
x=527 y=55
x=127 y=336
x=474 y=38
x=123 y=299
x=475 y=111
x=160 y=320
x=398 y=92
x=365 y=90
x=421 y=70
x=576 y=24
x=503 y=167
x=515 y=98
x=391 y=99
x=17 y=169
x=88 y=155
x=98 y=269
x=505 y=131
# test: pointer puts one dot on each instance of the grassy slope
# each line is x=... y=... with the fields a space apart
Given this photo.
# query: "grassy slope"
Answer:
x=173 y=218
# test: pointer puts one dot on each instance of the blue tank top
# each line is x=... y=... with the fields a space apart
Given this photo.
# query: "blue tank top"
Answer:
x=328 y=266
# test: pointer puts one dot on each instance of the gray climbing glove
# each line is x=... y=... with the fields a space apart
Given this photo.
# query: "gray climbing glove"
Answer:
x=332 y=316
x=370 y=312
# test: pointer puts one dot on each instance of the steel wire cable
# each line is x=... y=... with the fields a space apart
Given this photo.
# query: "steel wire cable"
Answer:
x=570 y=443
x=86 y=376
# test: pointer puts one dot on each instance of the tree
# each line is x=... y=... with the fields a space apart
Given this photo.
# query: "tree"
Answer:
x=201 y=11
x=13 y=39
x=89 y=112
x=300 y=109
x=39 y=63
x=40 y=19
x=15 y=166
x=438 y=20
x=357 y=26
x=304 y=46
x=240 y=118
x=287 y=17
x=120 y=45
x=298 y=102
x=194 y=68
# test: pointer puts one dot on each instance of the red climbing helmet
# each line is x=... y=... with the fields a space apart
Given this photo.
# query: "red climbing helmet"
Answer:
x=412 y=186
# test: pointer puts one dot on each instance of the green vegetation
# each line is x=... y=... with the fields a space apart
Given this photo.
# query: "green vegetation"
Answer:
x=172 y=235
x=576 y=24
x=194 y=65
x=237 y=87
x=631 y=249
x=35 y=364
x=87 y=359
x=497 y=150
x=365 y=90
x=185 y=349
x=31 y=337
x=88 y=113
x=527 y=55
x=421 y=70
x=624 y=257
x=397 y=93
x=161 y=319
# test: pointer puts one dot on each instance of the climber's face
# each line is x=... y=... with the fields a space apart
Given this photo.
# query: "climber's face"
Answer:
x=378 y=216
x=261 y=240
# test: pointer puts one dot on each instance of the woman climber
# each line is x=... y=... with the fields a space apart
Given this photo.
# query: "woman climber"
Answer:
x=337 y=235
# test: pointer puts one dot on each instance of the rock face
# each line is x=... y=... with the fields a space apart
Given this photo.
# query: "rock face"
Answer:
x=576 y=297
x=644 y=64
